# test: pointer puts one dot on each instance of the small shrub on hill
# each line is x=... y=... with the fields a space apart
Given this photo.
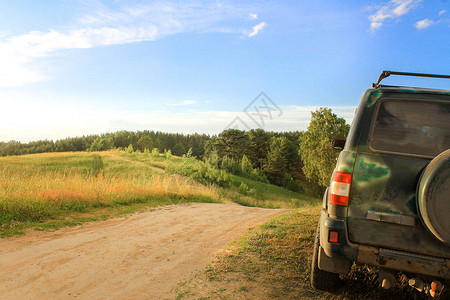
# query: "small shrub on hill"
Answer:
x=290 y=184
x=246 y=190
x=230 y=165
x=243 y=168
x=200 y=171
x=155 y=152
x=129 y=149
x=167 y=154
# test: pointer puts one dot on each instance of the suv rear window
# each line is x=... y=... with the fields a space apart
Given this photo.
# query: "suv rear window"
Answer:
x=412 y=127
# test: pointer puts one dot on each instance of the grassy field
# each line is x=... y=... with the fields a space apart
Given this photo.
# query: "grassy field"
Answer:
x=273 y=262
x=57 y=189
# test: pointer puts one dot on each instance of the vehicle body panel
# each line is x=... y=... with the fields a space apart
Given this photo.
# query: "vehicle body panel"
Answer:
x=382 y=207
x=381 y=225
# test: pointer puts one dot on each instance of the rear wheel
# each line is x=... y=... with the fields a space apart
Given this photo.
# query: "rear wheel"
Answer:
x=322 y=280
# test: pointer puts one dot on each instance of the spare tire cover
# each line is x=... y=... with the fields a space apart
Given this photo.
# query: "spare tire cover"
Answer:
x=433 y=197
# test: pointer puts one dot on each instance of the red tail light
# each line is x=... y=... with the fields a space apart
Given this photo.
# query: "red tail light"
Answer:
x=340 y=188
x=333 y=237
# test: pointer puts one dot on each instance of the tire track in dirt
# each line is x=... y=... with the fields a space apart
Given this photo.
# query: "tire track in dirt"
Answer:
x=159 y=170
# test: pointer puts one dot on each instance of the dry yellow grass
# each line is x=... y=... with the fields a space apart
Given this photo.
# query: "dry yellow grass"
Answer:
x=25 y=185
x=33 y=192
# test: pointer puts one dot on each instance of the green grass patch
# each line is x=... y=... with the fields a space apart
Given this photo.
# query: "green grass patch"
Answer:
x=273 y=261
x=267 y=195
x=70 y=218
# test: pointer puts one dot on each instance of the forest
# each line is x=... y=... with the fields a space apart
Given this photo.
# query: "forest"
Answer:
x=296 y=160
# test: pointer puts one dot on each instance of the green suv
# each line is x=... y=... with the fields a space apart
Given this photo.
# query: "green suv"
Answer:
x=388 y=204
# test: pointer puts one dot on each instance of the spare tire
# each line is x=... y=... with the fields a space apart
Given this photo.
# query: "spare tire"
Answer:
x=433 y=197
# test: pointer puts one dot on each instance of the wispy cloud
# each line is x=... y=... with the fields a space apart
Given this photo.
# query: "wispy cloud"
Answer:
x=18 y=52
x=442 y=12
x=256 y=29
x=131 y=24
x=253 y=16
x=391 y=10
x=423 y=24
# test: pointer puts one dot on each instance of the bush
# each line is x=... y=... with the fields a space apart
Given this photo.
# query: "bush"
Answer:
x=290 y=184
x=231 y=166
x=155 y=152
x=200 y=171
x=129 y=149
x=244 y=189
x=246 y=167
x=189 y=153
x=258 y=175
x=167 y=154
x=213 y=159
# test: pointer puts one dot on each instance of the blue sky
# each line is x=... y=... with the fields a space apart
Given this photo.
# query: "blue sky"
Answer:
x=71 y=68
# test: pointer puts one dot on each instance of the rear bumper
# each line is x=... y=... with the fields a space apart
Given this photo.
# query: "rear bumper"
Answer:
x=344 y=249
x=404 y=261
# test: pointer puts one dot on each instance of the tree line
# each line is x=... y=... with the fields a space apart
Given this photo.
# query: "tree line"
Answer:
x=179 y=144
x=297 y=160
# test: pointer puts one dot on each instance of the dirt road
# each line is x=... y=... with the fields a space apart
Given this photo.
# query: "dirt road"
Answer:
x=142 y=256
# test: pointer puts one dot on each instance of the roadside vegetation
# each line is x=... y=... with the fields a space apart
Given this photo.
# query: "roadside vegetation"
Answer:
x=273 y=261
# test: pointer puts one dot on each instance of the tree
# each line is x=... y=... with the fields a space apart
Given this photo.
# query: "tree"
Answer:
x=276 y=165
x=145 y=142
x=259 y=146
x=102 y=144
x=121 y=139
x=318 y=157
x=246 y=167
x=233 y=143
x=179 y=149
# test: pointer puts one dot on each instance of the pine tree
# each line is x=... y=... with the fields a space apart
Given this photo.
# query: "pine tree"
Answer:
x=276 y=165
x=246 y=167
x=179 y=149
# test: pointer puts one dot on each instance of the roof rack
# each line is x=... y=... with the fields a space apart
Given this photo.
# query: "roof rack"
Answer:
x=385 y=74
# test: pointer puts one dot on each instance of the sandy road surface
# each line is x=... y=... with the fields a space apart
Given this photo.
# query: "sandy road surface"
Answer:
x=142 y=256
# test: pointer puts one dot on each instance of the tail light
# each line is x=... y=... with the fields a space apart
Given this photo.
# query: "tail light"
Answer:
x=340 y=188
x=333 y=237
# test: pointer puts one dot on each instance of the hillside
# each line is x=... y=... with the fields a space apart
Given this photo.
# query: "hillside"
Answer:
x=52 y=190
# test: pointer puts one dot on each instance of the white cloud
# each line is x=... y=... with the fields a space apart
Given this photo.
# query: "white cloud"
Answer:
x=423 y=24
x=18 y=52
x=442 y=12
x=131 y=24
x=253 y=16
x=375 y=25
x=256 y=29
x=392 y=10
